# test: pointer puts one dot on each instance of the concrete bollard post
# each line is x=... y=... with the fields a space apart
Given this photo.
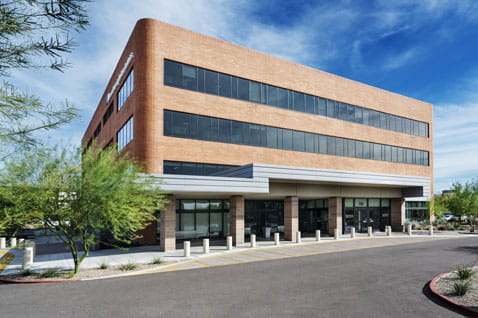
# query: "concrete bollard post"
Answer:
x=13 y=242
x=352 y=232
x=205 y=246
x=3 y=242
x=336 y=234
x=229 y=243
x=317 y=235
x=276 y=238
x=409 y=229
x=369 y=231
x=187 y=248
x=389 y=230
x=298 y=238
x=21 y=242
x=430 y=230
x=27 y=257
x=253 y=240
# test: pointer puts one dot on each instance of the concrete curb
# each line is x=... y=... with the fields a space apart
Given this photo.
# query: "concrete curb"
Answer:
x=453 y=304
x=18 y=281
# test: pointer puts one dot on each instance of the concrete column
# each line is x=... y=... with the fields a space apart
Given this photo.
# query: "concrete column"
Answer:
x=335 y=215
x=317 y=235
x=229 y=243
x=397 y=210
x=298 y=238
x=236 y=218
x=336 y=234
x=253 y=240
x=352 y=232
x=3 y=242
x=369 y=230
x=276 y=238
x=205 y=246
x=167 y=225
x=291 y=218
x=27 y=257
x=187 y=248
x=13 y=242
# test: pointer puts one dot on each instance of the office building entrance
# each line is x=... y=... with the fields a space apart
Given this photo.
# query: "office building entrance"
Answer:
x=362 y=213
x=313 y=215
x=264 y=217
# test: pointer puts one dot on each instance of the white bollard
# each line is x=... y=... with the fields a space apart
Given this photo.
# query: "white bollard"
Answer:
x=409 y=229
x=187 y=248
x=317 y=235
x=27 y=257
x=253 y=240
x=369 y=230
x=13 y=242
x=276 y=238
x=3 y=242
x=430 y=230
x=205 y=246
x=21 y=241
x=298 y=238
x=352 y=232
x=229 y=243
x=336 y=234
x=389 y=230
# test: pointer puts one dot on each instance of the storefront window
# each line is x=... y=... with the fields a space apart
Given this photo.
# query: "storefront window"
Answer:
x=349 y=203
x=361 y=202
x=373 y=203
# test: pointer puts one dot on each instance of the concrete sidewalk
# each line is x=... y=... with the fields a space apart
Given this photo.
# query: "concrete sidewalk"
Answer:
x=219 y=255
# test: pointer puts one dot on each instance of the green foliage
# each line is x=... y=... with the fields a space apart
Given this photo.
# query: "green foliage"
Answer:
x=437 y=204
x=464 y=272
x=27 y=272
x=461 y=287
x=103 y=266
x=463 y=200
x=34 y=34
x=106 y=194
x=451 y=228
x=157 y=260
x=128 y=267
x=49 y=273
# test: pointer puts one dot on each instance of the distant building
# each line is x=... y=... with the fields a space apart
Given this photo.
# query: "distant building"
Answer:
x=245 y=142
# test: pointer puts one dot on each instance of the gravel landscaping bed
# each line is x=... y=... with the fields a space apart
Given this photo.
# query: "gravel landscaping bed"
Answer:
x=445 y=287
x=85 y=273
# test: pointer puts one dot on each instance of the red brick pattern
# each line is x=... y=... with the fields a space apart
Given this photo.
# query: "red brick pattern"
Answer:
x=291 y=218
x=236 y=218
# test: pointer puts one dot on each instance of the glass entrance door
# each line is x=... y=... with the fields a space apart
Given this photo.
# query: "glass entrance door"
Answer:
x=362 y=213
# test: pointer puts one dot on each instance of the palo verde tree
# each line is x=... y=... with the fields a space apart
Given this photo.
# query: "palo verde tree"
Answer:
x=105 y=193
x=34 y=34
x=463 y=199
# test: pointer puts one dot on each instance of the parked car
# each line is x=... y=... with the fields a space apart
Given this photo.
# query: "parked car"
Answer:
x=448 y=216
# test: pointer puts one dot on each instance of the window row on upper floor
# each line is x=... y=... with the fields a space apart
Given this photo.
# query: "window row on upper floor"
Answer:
x=184 y=125
x=125 y=134
x=194 y=168
x=203 y=80
x=126 y=89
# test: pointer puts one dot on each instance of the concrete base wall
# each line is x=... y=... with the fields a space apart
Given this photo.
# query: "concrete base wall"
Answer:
x=236 y=218
x=167 y=225
x=397 y=210
x=291 y=218
x=335 y=215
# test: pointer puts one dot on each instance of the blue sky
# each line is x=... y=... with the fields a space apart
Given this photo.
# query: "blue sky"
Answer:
x=424 y=49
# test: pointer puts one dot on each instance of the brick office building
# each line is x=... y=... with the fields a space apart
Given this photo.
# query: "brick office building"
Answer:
x=245 y=142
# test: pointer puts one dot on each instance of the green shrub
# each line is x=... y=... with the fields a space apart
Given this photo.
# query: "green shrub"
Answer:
x=460 y=228
x=51 y=272
x=464 y=272
x=157 y=260
x=461 y=288
x=451 y=228
x=27 y=272
x=128 y=267
x=103 y=266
